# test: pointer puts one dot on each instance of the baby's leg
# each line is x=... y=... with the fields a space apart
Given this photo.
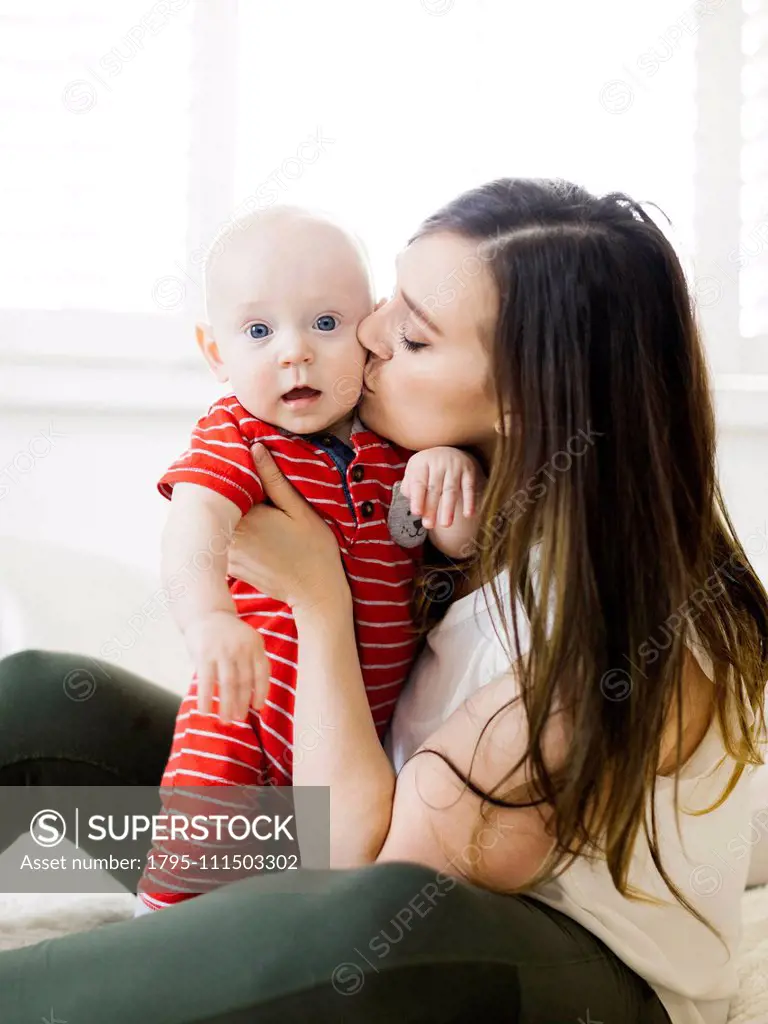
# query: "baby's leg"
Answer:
x=206 y=751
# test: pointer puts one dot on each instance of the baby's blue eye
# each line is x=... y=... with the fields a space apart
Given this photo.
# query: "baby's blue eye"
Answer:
x=325 y=323
x=259 y=331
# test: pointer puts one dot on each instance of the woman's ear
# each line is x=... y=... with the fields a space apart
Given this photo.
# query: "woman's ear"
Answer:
x=510 y=421
x=207 y=345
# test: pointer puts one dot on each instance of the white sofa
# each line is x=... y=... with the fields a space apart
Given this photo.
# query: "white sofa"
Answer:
x=61 y=598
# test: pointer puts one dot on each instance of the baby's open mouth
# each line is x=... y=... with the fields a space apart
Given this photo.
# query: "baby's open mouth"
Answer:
x=301 y=395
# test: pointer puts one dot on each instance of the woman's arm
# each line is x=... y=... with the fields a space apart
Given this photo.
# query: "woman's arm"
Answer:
x=335 y=740
x=437 y=821
x=425 y=815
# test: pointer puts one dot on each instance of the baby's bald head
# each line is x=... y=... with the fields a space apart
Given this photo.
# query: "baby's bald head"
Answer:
x=256 y=256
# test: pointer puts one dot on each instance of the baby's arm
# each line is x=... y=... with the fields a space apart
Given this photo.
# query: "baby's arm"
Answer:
x=223 y=648
x=444 y=487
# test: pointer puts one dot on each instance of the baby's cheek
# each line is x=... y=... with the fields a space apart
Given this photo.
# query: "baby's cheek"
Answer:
x=349 y=358
x=256 y=388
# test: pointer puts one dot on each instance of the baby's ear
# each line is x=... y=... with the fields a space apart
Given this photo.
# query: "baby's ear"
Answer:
x=207 y=345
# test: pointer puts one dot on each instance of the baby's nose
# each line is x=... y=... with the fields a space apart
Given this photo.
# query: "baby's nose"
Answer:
x=295 y=350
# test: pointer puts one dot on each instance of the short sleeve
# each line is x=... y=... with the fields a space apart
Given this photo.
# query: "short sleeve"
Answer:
x=403 y=454
x=218 y=457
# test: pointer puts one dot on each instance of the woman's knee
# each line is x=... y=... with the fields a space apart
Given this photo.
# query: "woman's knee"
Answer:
x=23 y=674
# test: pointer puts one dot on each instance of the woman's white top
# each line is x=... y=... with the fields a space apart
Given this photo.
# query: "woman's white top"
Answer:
x=691 y=970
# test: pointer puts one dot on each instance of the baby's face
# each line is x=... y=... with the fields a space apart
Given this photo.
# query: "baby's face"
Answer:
x=285 y=298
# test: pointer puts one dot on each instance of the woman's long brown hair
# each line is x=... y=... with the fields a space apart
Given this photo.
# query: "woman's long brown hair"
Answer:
x=607 y=474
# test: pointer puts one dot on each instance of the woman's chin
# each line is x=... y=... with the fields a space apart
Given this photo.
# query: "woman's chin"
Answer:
x=372 y=412
x=368 y=409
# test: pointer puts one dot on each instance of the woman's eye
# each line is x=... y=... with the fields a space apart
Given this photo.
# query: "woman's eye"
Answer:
x=411 y=346
x=325 y=323
x=259 y=331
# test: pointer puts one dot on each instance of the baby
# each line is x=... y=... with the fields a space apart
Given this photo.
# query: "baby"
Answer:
x=284 y=296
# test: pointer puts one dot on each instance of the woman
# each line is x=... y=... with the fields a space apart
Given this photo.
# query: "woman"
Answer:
x=578 y=725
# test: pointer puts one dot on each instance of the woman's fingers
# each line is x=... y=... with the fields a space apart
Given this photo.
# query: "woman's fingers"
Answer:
x=258 y=691
x=280 y=491
x=229 y=687
x=205 y=681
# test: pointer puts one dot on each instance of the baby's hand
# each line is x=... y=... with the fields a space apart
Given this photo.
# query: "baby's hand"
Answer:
x=227 y=651
x=439 y=481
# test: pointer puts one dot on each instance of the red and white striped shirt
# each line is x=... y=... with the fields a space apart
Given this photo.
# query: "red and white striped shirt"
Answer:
x=350 y=486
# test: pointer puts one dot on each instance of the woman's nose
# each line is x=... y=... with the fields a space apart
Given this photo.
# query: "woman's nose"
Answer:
x=373 y=335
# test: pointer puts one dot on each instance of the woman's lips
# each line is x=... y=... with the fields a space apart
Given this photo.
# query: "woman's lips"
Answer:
x=300 y=398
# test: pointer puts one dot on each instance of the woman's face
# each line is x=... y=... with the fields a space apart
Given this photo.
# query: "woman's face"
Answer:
x=428 y=379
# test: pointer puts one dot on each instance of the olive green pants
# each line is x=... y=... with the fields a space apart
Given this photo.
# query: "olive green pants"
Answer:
x=384 y=943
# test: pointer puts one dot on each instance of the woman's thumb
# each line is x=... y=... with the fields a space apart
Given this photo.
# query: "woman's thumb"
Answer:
x=276 y=487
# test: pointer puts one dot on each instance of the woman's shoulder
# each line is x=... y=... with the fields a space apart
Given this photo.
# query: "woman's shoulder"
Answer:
x=698 y=712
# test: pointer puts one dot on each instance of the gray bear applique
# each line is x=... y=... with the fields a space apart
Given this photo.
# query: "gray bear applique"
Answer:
x=405 y=529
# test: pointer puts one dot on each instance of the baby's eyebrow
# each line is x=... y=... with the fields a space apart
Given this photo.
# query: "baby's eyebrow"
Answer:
x=249 y=309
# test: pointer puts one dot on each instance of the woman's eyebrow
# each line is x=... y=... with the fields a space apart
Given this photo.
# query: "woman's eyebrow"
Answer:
x=420 y=313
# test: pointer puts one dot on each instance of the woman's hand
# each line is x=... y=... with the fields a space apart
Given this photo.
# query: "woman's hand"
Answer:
x=286 y=551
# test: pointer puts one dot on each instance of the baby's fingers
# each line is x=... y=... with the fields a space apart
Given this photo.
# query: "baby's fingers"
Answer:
x=432 y=503
x=449 y=499
x=469 y=492
x=414 y=486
